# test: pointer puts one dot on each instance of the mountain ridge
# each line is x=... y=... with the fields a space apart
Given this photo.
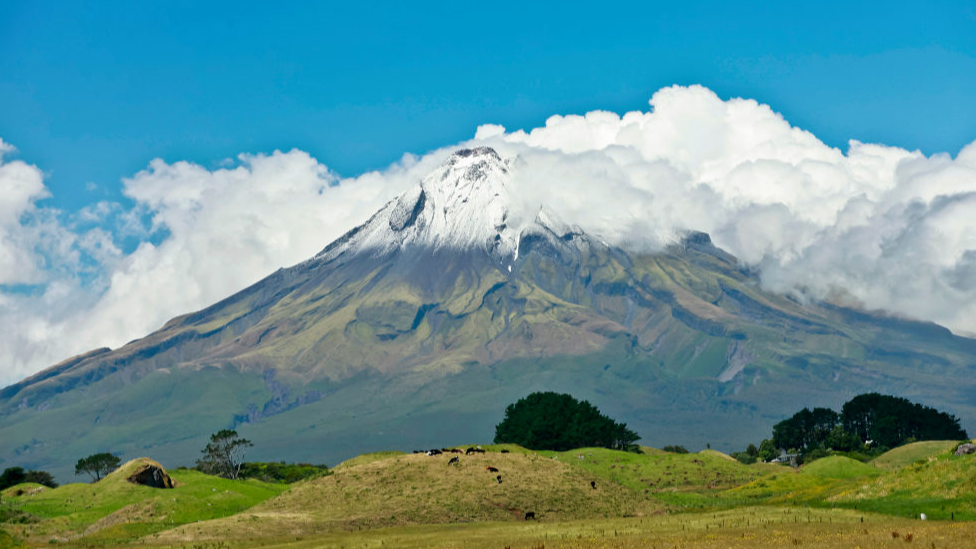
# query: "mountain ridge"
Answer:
x=412 y=315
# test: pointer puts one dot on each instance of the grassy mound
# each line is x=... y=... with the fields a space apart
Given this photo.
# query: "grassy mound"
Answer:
x=684 y=481
x=910 y=453
x=840 y=467
x=363 y=459
x=811 y=484
x=117 y=510
x=942 y=487
x=420 y=489
x=24 y=488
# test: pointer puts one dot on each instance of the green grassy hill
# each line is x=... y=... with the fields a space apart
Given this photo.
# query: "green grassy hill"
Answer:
x=942 y=486
x=419 y=489
x=910 y=453
x=810 y=484
x=682 y=481
x=115 y=510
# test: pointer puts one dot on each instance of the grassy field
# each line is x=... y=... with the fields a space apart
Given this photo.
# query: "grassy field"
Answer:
x=585 y=498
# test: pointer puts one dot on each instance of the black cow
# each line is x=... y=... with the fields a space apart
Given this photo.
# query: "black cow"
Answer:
x=434 y=452
x=504 y=451
x=593 y=484
x=455 y=460
x=492 y=469
x=530 y=515
x=499 y=479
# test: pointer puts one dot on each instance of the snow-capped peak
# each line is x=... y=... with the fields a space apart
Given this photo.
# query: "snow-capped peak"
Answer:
x=465 y=203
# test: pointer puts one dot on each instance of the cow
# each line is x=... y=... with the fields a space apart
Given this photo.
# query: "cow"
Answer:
x=434 y=452
x=492 y=469
x=593 y=484
x=455 y=461
x=456 y=451
x=530 y=515
x=504 y=451
x=499 y=479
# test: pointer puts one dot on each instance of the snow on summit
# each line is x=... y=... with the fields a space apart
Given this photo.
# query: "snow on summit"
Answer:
x=463 y=204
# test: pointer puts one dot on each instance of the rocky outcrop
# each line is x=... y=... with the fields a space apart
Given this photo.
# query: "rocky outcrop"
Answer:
x=152 y=476
x=967 y=448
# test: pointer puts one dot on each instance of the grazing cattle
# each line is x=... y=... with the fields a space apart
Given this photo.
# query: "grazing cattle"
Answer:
x=530 y=515
x=593 y=484
x=434 y=452
x=469 y=451
x=504 y=451
x=492 y=469
x=499 y=479
x=456 y=451
x=455 y=460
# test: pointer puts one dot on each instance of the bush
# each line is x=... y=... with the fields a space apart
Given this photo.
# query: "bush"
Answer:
x=675 y=449
x=744 y=457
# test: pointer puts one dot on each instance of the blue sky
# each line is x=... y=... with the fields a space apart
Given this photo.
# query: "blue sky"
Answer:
x=119 y=208
x=90 y=92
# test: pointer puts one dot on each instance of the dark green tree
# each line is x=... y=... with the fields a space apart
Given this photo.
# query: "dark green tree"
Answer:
x=807 y=429
x=553 y=421
x=224 y=455
x=12 y=476
x=891 y=421
x=97 y=465
x=767 y=450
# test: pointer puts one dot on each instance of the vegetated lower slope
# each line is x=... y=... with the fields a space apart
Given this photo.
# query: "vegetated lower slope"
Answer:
x=368 y=348
x=942 y=486
x=899 y=457
x=116 y=510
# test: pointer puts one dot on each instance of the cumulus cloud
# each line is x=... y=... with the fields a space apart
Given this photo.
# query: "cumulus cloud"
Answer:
x=889 y=228
x=876 y=225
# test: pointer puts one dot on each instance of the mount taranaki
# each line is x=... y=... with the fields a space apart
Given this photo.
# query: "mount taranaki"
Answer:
x=417 y=328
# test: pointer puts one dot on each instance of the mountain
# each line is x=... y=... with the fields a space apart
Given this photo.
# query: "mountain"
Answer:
x=417 y=328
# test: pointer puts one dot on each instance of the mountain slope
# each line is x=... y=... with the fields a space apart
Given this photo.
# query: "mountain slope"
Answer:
x=421 y=325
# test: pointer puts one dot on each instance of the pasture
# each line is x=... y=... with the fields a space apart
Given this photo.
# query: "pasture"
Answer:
x=517 y=498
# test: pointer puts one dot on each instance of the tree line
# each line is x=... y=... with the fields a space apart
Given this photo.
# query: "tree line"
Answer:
x=867 y=424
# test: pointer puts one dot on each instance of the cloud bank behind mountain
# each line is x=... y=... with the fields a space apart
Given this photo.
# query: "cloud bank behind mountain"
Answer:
x=874 y=226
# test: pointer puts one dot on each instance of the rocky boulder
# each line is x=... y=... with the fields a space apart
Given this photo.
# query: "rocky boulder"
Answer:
x=153 y=476
x=967 y=448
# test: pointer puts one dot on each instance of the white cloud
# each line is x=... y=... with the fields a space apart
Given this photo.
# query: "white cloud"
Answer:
x=892 y=229
x=886 y=227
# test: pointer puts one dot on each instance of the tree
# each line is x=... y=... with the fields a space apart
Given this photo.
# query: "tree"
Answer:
x=12 y=476
x=891 y=421
x=553 y=421
x=224 y=455
x=806 y=429
x=767 y=450
x=16 y=475
x=97 y=465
